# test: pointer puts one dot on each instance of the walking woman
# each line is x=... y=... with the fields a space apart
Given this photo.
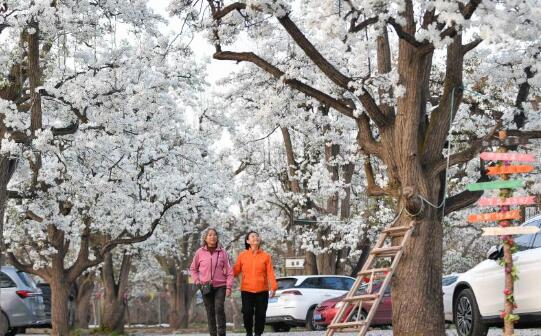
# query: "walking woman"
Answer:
x=212 y=273
x=258 y=283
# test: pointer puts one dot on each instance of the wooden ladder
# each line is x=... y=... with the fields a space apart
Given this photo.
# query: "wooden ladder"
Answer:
x=353 y=301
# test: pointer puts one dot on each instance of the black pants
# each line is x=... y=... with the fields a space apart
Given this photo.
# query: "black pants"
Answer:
x=254 y=304
x=214 y=304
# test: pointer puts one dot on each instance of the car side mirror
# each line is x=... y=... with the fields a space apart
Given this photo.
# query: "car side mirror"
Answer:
x=495 y=252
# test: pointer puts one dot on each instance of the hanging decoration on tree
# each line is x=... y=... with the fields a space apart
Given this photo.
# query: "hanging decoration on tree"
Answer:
x=505 y=216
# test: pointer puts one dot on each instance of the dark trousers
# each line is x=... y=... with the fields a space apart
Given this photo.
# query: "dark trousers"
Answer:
x=214 y=304
x=254 y=304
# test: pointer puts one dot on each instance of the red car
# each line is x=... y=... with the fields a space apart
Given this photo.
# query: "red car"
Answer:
x=326 y=310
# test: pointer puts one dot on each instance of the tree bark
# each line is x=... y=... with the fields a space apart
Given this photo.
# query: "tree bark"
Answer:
x=84 y=286
x=114 y=296
x=59 y=304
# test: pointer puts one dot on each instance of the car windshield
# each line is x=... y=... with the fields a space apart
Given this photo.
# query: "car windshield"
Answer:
x=286 y=283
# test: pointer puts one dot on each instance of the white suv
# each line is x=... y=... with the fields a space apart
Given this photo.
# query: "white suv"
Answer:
x=298 y=296
x=478 y=296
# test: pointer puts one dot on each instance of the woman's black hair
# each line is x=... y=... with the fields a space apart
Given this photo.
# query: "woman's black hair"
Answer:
x=246 y=238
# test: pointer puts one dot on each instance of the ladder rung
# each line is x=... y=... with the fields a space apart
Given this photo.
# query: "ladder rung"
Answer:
x=364 y=297
x=397 y=230
x=346 y=324
x=386 y=251
x=375 y=270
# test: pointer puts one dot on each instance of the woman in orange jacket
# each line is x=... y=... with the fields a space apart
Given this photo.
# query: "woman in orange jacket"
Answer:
x=257 y=285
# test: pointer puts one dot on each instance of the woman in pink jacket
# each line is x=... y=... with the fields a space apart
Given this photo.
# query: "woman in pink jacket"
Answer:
x=212 y=272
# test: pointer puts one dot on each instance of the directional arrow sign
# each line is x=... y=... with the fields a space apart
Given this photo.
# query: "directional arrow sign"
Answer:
x=494 y=216
x=511 y=230
x=510 y=156
x=519 y=200
x=509 y=184
x=496 y=170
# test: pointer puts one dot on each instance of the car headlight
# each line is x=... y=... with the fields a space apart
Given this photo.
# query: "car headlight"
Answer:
x=339 y=304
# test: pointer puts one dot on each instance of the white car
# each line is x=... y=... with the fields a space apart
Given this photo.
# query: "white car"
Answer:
x=448 y=287
x=298 y=296
x=478 y=297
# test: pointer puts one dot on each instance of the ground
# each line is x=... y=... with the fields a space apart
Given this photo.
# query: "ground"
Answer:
x=493 y=332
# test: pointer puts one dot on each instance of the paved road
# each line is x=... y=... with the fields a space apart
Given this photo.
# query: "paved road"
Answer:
x=493 y=332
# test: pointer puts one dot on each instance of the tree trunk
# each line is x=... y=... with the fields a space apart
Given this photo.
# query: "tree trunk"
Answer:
x=310 y=263
x=364 y=246
x=59 y=304
x=114 y=296
x=84 y=286
x=7 y=167
x=185 y=297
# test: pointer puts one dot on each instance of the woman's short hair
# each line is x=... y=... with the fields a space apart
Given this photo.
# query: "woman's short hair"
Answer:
x=206 y=233
x=246 y=245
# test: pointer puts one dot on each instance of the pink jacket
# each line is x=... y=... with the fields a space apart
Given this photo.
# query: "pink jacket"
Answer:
x=218 y=263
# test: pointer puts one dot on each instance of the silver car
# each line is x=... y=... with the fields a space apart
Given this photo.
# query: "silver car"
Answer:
x=21 y=302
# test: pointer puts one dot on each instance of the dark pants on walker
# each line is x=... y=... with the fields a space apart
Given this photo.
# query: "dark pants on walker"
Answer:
x=214 y=304
x=254 y=304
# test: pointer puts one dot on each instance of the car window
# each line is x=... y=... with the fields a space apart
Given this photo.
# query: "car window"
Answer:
x=286 y=283
x=331 y=283
x=449 y=280
x=5 y=281
x=524 y=242
x=537 y=241
x=311 y=283
x=26 y=279
x=347 y=283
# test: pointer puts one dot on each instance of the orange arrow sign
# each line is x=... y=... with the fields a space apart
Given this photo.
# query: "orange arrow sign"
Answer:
x=509 y=169
x=494 y=216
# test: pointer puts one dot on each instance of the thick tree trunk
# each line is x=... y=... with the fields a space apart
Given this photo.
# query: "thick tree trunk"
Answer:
x=364 y=246
x=114 y=297
x=185 y=296
x=59 y=304
x=7 y=167
x=310 y=263
x=83 y=294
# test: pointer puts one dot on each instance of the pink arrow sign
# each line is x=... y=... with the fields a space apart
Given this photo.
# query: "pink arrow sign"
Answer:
x=491 y=156
x=519 y=200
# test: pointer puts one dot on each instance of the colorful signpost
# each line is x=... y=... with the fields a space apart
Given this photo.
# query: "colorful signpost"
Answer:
x=504 y=217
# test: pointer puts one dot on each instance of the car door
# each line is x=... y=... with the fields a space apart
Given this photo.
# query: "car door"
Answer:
x=489 y=278
x=332 y=287
x=527 y=289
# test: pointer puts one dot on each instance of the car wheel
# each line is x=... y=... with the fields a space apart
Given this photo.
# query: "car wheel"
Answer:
x=310 y=323
x=4 y=324
x=467 y=318
x=353 y=316
x=280 y=327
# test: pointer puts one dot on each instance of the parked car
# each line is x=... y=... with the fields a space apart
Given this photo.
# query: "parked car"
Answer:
x=448 y=286
x=297 y=297
x=478 y=297
x=326 y=310
x=21 y=302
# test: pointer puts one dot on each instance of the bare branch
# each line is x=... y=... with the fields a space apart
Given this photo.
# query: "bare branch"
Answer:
x=464 y=198
x=470 y=46
x=465 y=155
x=363 y=25
x=294 y=83
x=228 y=9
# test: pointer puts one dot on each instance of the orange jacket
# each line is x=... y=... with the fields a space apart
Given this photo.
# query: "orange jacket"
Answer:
x=257 y=272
